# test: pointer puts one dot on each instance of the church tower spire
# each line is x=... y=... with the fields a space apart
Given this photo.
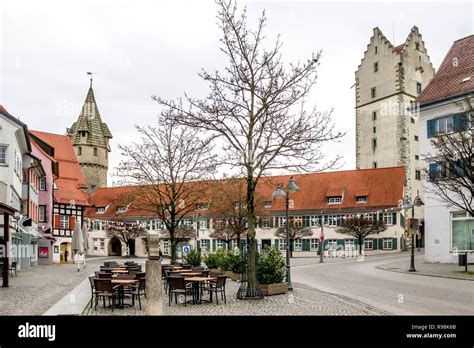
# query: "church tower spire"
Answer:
x=90 y=138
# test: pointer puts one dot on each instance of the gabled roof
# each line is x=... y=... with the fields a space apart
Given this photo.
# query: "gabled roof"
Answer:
x=90 y=121
x=15 y=120
x=455 y=76
x=383 y=188
x=71 y=179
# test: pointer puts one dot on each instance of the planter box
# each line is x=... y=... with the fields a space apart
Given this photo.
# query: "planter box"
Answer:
x=229 y=274
x=214 y=270
x=236 y=276
x=274 y=289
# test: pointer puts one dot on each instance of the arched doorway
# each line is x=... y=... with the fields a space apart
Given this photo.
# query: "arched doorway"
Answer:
x=115 y=247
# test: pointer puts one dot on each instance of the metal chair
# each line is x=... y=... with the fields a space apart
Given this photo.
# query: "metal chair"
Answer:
x=93 y=292
x=139 y=290
x=103 y=275
x=104 y=289
x=218 y=286
x=177 y=285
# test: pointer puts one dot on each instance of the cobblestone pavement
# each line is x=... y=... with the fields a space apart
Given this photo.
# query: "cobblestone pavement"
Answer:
x=302 y=300
x=33 y=291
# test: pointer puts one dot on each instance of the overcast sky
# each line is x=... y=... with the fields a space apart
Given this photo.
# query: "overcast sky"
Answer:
x=145 y=48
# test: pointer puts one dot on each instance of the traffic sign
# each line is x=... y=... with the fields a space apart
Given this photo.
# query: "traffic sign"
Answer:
x=186 y=249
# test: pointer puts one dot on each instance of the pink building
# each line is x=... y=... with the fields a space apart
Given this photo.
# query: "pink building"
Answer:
x=44 y=153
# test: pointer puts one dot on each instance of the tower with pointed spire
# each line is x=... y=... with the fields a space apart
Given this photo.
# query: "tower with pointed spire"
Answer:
x=90 y=138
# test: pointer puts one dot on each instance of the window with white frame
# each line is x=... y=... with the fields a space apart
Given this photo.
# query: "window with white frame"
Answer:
x=387 y=219
x=42 y=183
x=100 y=210
x=297 y=221
x=281 y=221
x=42 y=213
x=122 y=209
x=314 y=244
x=203 y=244
x=187 y=222
x=335 y=200
x=332 y=244
x=267 y=204
x=220 y=244
x=203 y=225
x=102 y=244
x=387 y=243
x=313 y=221
x=298 y=245
x=332 y=220
x=282 y=244
x=202 y=206
x=369 y=216
x=3 y=154
x=362 y=199
x=368 y=244
x=64 y=222
x=266 y=222
x=349 y=244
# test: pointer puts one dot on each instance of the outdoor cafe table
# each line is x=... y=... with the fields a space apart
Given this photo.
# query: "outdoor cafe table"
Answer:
x=197 y=281
x=119 y=271
x=190 y=274
x=122 y=283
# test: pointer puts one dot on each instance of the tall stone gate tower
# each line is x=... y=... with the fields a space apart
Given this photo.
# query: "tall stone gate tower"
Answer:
x=90 y=138
x=388 y=80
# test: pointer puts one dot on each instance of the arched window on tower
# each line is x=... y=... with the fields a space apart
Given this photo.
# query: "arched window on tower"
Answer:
x=95 y=151
x=79 y=151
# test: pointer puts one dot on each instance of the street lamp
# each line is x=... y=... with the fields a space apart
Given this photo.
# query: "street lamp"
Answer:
x=292 y=187
x=417 y=202
x=321 y=240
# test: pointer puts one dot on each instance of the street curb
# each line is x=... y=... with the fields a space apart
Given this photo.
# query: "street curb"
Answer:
x=420 y=273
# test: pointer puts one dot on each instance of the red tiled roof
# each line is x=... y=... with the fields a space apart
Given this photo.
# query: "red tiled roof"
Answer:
x=458 y=65
x=399 y=48
x=71 y=178
x=383 y=188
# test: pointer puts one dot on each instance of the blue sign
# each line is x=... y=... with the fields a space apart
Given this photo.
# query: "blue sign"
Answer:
x=186 y=249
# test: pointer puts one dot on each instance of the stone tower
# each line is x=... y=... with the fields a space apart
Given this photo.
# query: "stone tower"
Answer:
x=388 y=80
x=90 y=138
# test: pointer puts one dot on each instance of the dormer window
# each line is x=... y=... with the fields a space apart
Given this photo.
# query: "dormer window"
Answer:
x=100 y=210
x=238 y=205
x=122 y=209
x=267 y=204
x=202 y=206
x=362 y=199
x=335 y=200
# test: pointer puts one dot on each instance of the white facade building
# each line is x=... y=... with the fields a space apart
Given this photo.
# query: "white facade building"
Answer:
x=447 y=228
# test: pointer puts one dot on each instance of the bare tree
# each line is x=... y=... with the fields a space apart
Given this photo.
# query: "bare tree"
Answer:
x=258 y=108
x=170 y=164
x=126 y=232
x=360 y=228
x=229 y=204
x=296 y=232
x=452 y=179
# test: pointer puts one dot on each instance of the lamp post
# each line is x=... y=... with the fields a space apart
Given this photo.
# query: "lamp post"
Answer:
x=321 y=240
x=417 y=202
x=292 y=187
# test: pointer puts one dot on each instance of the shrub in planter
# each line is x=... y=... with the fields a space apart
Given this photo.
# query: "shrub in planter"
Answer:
x=223 y=260
x=193 y=258
x=212 y=261
x=271 y=271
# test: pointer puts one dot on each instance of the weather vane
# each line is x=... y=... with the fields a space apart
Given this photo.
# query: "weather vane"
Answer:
x=91 y=73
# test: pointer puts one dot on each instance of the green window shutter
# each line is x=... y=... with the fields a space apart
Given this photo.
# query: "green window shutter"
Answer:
x=277 y=244
x=325 y=245
x=306 y=245
x=340 y=244
x=381 y=243
x=402 y=220
x=230 y=244
x=213 y=244
x=325 y=219
x=394 y=218
x=272 y=224
x=199 y=245
x=259 y=222
x=305 y=221
x=380 y=217
x=430 y=128
x=374 y=244
x=394 y=243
